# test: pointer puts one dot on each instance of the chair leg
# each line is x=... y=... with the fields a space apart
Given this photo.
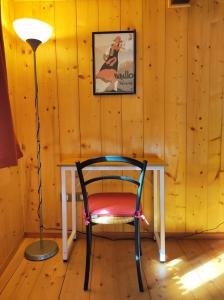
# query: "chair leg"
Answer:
x=137 y=256
x=88 y=254
x=140 y=248
x=140 y=243
x=90 y=238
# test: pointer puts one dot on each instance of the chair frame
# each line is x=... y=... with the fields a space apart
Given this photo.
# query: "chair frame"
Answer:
x=120 y=159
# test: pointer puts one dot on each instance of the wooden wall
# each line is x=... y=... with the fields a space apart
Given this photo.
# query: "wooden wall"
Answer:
x=11 y=212
x=176 y=113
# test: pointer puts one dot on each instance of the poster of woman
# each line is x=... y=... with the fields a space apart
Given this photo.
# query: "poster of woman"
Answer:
x=114 y=62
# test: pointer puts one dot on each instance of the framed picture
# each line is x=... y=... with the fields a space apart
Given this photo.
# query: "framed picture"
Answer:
x=114 y=56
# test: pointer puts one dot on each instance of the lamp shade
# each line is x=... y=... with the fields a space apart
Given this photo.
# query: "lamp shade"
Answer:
x=32 y=29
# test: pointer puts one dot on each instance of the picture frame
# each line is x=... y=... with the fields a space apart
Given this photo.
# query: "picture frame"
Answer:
x=114 y=62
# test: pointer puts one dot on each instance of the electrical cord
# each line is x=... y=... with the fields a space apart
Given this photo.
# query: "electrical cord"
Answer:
x=120 y=239
x=96 y=235
x=197 y=232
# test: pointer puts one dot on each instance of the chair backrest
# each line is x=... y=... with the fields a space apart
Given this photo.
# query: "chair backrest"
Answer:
x=111 y=159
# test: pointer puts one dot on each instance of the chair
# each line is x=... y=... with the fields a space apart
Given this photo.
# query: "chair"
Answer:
x=112 y=208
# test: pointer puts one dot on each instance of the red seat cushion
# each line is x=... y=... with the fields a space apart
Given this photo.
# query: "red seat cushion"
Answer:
x=112 y=204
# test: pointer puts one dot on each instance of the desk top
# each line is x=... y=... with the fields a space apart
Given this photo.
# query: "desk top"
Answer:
x=152 y=159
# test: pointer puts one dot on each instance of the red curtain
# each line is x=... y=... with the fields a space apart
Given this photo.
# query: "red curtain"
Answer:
x=9 y=148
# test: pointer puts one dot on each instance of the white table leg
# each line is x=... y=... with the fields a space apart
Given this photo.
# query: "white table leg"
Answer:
x=162 y=218
x=73 y=203
x=64 y=214
x=155 y=203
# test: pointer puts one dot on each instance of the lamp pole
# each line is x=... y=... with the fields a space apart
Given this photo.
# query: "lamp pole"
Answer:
x=34 y=44
x=42 y=249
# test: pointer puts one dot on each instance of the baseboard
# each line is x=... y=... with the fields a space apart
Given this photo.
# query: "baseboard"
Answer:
x=126 y=235
x=45 y=235
x=195 y=235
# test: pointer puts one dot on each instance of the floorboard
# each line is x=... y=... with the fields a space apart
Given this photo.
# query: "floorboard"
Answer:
x=194 y=270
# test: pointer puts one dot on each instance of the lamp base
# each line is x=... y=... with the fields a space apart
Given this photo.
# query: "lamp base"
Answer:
x=41 y=250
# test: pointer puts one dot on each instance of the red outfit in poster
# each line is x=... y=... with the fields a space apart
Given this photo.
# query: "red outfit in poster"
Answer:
x=108 y=71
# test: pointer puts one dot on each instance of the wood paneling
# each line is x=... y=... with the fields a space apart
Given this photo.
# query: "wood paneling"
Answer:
x=176 y=113
x=215 y=133
x=197 y=115
x=25 y=118
x=11 y=210
x=175 y=117
x=111 y=117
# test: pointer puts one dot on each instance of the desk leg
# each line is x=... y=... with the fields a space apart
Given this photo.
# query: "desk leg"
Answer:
x=64 y=215
x=155 y=204
x=73 y=204
x=162 y=218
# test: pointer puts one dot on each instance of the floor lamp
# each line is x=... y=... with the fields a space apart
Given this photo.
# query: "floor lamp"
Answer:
x=36 y=32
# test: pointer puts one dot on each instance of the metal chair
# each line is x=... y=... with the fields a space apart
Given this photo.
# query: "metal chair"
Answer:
x=112 y=208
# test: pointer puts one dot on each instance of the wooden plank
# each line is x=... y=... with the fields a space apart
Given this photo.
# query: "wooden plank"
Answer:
x=153 y=35
x=197 y=116
x=175 y=117
x=196 y=278
x=111 y=127
x=162 y=278
x=214 y=261
x=22 y=281
x=126 y=272
x=67 y=72
x=110 y=104
x=74 y=280
x=50 y=279
x=104 y=283
x=215 y=122
x=7 y=15
x=221 y=193
x=11 y=215
x=176 y=266
x=90 y=106
x=25 y=114
x=87 y=21
x=13 y=264
x=48 y=108
x=153 y=75
x=48 y=115
x=132 y=106
x=11 y=211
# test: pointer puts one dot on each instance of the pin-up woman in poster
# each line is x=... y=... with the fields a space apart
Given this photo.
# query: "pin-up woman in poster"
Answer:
x=108 y=71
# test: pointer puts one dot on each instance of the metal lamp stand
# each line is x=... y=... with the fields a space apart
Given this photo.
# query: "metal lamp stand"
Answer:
x=43 y=249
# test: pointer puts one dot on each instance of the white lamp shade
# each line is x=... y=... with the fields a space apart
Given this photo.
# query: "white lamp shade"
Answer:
x=32 y=29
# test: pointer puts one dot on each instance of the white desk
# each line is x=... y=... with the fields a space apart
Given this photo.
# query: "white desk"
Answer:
x=155 y=164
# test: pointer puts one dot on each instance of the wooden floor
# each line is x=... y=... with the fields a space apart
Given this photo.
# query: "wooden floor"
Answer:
x=194 y=270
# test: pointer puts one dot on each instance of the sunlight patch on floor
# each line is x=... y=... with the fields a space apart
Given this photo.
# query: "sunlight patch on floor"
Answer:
x=202 y=274
x=174 y=262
